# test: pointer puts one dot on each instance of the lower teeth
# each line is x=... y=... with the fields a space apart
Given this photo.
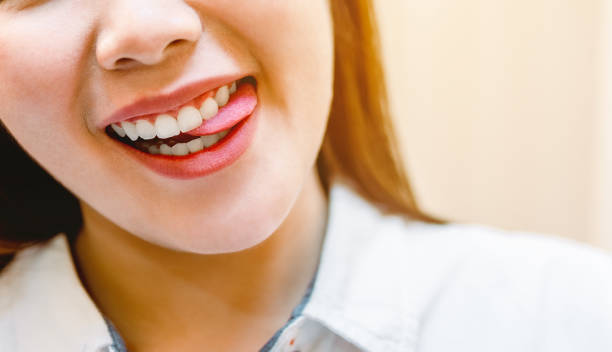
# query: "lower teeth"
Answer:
x=179 y=145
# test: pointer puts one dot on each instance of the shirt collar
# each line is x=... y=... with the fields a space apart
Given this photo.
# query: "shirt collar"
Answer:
x=355 y=294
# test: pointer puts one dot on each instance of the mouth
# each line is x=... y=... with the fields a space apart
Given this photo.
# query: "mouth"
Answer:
x=199 y=137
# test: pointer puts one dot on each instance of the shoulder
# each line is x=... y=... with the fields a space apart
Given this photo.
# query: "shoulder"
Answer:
x=463 y=246
x=480 y=255
x=42 y=297
x=487 y=251
x=470 y=250
x=22 y=292
x=483 y=285
x=473 y=287
x=548 y=293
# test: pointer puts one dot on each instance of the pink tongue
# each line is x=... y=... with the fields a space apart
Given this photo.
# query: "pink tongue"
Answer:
x=241 y=104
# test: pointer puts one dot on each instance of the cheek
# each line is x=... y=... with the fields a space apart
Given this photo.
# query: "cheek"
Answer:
x=39 y=72
x=294 y=43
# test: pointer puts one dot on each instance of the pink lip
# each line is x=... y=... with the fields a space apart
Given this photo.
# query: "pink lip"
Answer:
x=165 y=102
x=214 y=158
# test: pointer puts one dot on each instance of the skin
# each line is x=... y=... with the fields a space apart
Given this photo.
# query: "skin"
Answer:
x=213 y=263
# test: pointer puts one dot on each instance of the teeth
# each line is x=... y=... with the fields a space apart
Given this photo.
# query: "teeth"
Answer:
x=166 y=126
x=195 y=145
x=130 y=130
x=118 y=130
x=189 y=118
x=154 y=149
x=145 y=129
x=180 y=149
x=222 y=96
x=165 y=149
x=209 y=140
x=209 y=108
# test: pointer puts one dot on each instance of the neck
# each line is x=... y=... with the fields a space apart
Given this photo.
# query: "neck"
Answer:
x=157 y=296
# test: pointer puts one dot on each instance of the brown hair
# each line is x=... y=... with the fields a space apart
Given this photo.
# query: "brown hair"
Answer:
x=359 y=147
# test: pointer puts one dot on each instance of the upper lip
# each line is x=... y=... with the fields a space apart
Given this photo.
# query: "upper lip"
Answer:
x=164 y=102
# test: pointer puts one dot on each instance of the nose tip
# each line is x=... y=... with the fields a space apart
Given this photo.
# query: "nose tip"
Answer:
x=145 y=36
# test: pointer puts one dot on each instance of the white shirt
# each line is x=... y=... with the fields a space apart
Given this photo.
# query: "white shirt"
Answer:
x=383 y=284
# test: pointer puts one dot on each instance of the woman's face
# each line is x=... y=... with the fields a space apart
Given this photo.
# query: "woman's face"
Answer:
x=70 y=68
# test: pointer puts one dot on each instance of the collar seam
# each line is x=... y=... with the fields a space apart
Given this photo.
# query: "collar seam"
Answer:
x=333 y=314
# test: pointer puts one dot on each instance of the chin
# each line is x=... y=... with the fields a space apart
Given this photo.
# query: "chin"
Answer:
x=216 y=230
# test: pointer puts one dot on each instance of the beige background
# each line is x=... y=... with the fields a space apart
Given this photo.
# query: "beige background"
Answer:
x=503 y=110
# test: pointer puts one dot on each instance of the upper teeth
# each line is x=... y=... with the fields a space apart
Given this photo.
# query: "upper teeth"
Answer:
x=189 y=118
x=145 y=129
x=209 y=108
x=222 y=95
x=166 y=126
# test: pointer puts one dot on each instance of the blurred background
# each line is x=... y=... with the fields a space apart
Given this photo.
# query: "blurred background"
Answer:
x=504 y=109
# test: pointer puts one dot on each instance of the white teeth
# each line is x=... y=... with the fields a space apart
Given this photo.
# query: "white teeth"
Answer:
x=166 y=126
x=222 y=96
x=130 y=130
x=154 y=149
x=189 y=118
x=195 y=145
x=209 y=108
x=145 y=129
x=118 y=130
x=165 y=149
x=180 y=149
x=209 y=140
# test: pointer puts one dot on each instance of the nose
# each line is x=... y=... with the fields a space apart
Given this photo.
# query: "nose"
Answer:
x=142 y=32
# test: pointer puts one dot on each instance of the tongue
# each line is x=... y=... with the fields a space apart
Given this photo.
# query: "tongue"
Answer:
x=241 y=104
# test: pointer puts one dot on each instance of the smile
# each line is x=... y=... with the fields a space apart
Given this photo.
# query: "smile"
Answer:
x=197 y=138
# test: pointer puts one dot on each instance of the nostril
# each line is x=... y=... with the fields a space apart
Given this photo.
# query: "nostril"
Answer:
x=124 y=62
x=175 y=42
x=174 y=45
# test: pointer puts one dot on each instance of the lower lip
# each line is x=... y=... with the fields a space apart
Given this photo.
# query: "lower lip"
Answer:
x=202 y=163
